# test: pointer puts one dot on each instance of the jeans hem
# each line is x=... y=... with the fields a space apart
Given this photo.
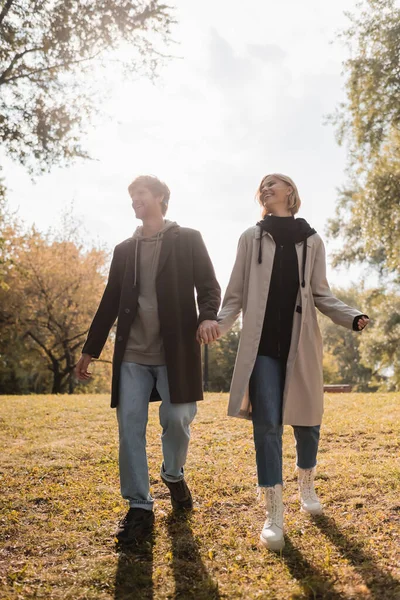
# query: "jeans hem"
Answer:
x=269 y=485
x=306 y=468
x=144 y=505
x=170 y=478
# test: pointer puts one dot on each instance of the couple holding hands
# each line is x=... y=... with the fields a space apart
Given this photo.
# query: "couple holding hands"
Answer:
x=277 y=282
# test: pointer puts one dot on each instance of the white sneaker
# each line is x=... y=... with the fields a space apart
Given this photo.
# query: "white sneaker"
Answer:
x=308 y=498
x=272 y=534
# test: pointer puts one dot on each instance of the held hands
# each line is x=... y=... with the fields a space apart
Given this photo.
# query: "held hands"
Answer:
x=207 y=332
x=81 y=369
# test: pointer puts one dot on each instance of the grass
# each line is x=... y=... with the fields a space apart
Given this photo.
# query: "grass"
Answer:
x=60 y=505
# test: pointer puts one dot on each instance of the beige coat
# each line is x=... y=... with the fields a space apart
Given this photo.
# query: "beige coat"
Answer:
x=248 y=292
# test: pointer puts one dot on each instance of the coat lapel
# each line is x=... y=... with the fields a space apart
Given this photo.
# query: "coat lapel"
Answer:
x=130 y=267
x=166 y=247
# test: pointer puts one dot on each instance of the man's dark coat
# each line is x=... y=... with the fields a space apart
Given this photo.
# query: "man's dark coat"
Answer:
x=184 y=267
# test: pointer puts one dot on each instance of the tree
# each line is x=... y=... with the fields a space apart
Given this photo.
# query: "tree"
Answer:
x=380 y=346
x=368 y=213
x=343 y=360
x=221 y=360
x=49 y=53
x=53 y=286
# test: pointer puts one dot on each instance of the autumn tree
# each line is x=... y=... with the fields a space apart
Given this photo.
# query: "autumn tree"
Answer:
x=343 y=361
x=53 y=59
x=221 y=360
x=380 y=345
x=368 y=212
x=52 y=288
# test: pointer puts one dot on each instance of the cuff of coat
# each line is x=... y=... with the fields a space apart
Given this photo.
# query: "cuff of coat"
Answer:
x=355 y=321
x=207 y=316
x=88 y=350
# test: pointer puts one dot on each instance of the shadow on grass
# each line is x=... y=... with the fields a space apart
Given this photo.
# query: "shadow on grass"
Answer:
x=192 y=579
x=316 y=585
x=134 y=577
x=380 y=583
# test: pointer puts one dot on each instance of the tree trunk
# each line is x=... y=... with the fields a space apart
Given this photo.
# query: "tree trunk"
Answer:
x=57 y=381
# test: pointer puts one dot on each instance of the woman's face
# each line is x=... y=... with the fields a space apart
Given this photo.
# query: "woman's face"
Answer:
x=274 y=194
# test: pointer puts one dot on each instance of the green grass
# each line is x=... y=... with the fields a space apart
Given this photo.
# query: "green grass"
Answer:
x=60 y=506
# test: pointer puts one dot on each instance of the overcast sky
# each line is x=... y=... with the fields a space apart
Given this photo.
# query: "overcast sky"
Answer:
x=248 y=97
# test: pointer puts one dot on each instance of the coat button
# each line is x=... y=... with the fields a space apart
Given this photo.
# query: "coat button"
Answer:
x=119 y=338
x=127 y=310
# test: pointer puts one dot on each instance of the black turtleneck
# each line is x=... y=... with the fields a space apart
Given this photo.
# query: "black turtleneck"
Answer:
x=284 y=286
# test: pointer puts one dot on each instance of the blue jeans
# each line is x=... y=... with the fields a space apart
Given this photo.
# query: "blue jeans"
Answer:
x=136 y=384
x=266 y=395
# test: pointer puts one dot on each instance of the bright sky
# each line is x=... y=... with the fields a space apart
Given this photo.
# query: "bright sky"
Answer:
x=248 y=97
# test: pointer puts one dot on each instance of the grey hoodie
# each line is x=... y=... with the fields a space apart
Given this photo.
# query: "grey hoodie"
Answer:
x=144 y=344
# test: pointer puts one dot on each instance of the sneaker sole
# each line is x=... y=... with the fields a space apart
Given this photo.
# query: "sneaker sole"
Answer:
x=317 y=511
x=274 y=546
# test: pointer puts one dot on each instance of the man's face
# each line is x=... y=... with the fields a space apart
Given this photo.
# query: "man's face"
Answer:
x=144 y=203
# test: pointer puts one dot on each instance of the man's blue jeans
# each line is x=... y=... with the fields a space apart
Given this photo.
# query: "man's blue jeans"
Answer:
x=266 y=394
x=136 y=384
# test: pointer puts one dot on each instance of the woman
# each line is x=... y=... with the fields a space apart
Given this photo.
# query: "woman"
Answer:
x=278 y=280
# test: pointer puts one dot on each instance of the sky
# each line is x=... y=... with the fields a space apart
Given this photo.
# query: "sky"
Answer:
x=248 y=94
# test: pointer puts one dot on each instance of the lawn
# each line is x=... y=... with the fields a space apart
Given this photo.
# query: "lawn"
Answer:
x=60 y=505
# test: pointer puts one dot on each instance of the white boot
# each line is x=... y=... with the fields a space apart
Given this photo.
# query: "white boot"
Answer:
x=272 y=533
x=308 y=498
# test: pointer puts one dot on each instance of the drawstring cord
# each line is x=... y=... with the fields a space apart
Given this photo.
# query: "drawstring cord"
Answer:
x=303 y=282
x=153 y=262
x=136 y=262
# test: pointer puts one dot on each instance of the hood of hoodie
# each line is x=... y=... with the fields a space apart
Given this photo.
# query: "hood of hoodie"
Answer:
x=138 y=234
x=286 y=229
x=151 y=244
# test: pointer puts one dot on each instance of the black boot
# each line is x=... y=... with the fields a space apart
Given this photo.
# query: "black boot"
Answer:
x=136 y=526
x=181 y=498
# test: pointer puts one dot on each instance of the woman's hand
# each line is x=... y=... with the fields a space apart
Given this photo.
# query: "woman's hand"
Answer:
x=362 y=323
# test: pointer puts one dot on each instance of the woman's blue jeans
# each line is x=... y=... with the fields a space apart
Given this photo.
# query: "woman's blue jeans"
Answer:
x=266 y=394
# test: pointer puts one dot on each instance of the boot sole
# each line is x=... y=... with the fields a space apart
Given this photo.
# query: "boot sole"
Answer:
x=181 y=506
x=137 y=540
x=274 y=546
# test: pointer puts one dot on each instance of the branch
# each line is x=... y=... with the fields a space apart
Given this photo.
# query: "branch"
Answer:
x=51 y=68
x=5 y=10
x=78 y=335
x=41 y=344
x=17 y=57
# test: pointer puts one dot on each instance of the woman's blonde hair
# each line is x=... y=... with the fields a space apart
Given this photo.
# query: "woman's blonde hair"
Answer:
x=294 y=201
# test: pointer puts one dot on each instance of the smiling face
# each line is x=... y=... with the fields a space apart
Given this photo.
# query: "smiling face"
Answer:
x=145 y=204
x=274 y=195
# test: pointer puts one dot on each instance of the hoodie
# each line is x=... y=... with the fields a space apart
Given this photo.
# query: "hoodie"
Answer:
x=145 y=344
x=284 y=286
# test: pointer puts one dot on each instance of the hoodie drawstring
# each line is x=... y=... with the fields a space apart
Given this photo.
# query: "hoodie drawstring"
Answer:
x=260 y=249
x=136 y=262
x=303 y=279
x=153 y=262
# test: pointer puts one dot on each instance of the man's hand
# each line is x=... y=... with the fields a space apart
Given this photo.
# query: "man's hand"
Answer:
x=207 y=332
x=81 y=369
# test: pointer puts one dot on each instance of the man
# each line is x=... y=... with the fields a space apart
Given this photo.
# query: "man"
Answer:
x=151 y=284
